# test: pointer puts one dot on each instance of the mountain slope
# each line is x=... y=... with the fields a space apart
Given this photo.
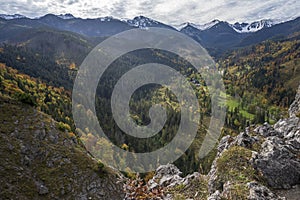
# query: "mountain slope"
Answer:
x=270 y=69
x=36 y=65
x=223 y=36
x=252 y=27
x=89 y=27
x=144 y=22
x=51 y=100
x=40 y=159
x=220 y=35
x=279 y=30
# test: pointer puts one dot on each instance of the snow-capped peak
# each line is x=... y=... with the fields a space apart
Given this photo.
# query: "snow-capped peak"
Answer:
x=66 y=16
x=253 y=27
x=181 y=26
x=9 y=17
x=200 y=27
x=141 y=22
x=208 y=25
x=106 y=19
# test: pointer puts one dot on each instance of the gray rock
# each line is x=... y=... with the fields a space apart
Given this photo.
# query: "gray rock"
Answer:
x=266 y=130
x=166 y=176
x=224 y=144
x=279 y=165
x=169 y=176
x=215 y=196
x=295 y=106
x=292 y=194
x=287 y=126
x=279 y=159
x=260 y=192
x=245 y=140
x=43 y=190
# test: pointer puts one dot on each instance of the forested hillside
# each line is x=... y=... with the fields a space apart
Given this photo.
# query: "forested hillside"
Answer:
x=44 y=97
x=261 y=80
x=260 y=83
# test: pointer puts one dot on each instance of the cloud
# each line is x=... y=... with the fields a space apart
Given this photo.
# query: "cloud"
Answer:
x=170 y=12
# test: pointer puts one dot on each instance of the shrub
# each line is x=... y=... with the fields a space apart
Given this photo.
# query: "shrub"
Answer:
x=63 y=127
x=25 y=98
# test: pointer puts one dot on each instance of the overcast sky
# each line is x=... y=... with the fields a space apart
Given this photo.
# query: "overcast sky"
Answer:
x=172 y=12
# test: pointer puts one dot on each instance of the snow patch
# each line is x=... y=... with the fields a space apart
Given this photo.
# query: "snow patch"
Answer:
x=66 y=16
x=253 y=27
x=10 y=17
x=200 y=27
x=142 y=22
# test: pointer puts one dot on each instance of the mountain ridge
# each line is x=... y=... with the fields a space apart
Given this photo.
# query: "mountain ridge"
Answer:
x=217 y=37
x=142 y=22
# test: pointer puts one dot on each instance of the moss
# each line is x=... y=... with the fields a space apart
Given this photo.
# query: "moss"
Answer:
x=179 y=197
x=234 y=166
x=238 y=192
x=197 y=189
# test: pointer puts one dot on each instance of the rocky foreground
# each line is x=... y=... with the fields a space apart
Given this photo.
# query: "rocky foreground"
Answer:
x=261 y=163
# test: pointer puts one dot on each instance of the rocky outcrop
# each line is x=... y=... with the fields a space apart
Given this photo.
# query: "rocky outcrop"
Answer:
x=295 y=106
x=278 y=159
x=275 y=164
x=174 y=186
x=169 y=176
x=275 y=155
x=254 y=142
x=41 y=161
x=260 y=192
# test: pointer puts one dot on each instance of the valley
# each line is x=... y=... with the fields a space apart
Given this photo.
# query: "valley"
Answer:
x=39 y=61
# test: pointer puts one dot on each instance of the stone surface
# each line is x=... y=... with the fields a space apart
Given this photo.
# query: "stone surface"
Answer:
x=215 y=196
x=295 y=106
x=42 y=189
x=169 y=176
x=279 y=157
x=260 y=192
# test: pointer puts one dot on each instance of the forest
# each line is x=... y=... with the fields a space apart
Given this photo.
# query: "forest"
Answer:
x=260 y=83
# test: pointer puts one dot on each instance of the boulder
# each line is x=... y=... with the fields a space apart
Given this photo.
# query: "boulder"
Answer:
x=260 y=192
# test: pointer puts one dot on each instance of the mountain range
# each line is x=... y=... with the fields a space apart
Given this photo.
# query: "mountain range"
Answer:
x=144 y=22
x=216 y=36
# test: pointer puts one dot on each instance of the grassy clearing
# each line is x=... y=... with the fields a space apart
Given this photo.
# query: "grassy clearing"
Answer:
x=234 y=103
